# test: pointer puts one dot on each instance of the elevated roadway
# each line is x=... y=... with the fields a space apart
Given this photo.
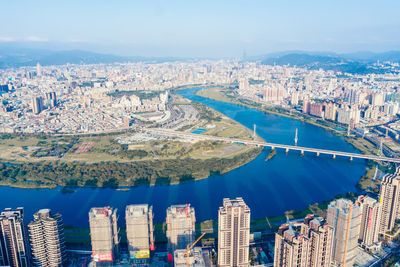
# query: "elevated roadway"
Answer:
x=287 y=148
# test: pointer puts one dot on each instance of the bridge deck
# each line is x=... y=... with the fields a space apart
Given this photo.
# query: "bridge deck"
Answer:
x=272 y=145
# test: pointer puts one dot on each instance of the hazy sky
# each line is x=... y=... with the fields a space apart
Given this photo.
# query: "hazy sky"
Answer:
x=217 y=28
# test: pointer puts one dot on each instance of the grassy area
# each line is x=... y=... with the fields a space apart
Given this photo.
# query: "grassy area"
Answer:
x=30 y=148
x=99 y=160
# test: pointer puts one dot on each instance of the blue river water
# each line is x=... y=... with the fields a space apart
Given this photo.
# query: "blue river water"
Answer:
x=286 y=182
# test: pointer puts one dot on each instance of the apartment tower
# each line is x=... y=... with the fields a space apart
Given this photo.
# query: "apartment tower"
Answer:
x=233 y=233
x=345 y=218
x=104 y=235
x=180 y=226
x=14 y=250
x=37 y=104
x=139 y=227
x=389 y=197
x=309 y=245
x=47 y=239
x=291 y=248
x=370 y=219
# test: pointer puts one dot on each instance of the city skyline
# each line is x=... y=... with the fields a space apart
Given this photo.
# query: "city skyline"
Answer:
x=202 y=29
x=200 y=133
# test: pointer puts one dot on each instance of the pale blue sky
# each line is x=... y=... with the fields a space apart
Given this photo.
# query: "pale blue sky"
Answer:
x=203 y=28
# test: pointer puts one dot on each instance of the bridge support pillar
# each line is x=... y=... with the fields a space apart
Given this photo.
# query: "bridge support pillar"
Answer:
x=351 y=158
x=287 y=150
x=302 y=152
x=272 y=147
x=334 y=156
x=317 y=154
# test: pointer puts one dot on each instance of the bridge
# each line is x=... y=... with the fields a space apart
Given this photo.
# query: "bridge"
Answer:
x=287 y=148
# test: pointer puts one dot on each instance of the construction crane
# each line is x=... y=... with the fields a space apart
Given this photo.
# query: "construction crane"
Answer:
x=188 y=248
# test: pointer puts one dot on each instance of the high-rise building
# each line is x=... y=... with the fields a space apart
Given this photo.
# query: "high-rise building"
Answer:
x=311 y=245
x=345 y=217
x=37 y=105
x=38 y=69
x=353 y=97
x=14 y=250
x=330 y=111
x=51 y=99
x=290 y=248
x=378 y=99
x=104 y=235
x=233 y=233
x=371 y=216
x=389 y=197
x=47 y=239
x=139 y=228
x=306 y=106
x=180 y=226
x=294 y=99
x=320 y=235
x=316 y=109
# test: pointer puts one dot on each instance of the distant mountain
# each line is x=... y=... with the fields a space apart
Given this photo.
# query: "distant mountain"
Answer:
x=17 y=57
x=360 y=62
x=302 y=60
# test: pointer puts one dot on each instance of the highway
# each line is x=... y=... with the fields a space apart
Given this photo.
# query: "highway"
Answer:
x=287 y=148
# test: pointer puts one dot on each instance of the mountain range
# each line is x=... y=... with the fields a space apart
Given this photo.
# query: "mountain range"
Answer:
x=11 y=57
x=358 y=62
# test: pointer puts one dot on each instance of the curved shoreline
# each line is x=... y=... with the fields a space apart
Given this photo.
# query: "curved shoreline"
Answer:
x=195 y=169
x=304 y=118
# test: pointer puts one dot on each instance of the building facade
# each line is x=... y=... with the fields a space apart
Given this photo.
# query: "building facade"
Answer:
x=14 y=249
x=345 y=218
x=180 y=221
x=291 y=248
x=104 y=235
x=389 y=198
x=47 y=239
x=370 y=219
x=309 y=245
x=233 y=233
x=139 y=228
x=37 y=105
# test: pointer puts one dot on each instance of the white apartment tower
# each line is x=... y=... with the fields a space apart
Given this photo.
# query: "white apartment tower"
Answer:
x=47 y=239
x=233 y=233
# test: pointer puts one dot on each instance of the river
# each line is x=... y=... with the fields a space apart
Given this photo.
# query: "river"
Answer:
x=286 y=182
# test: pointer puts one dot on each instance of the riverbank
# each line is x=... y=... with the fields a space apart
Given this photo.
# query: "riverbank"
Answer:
x=221 y=93
x=267 y=226
x=114 y=160
x=218 y=93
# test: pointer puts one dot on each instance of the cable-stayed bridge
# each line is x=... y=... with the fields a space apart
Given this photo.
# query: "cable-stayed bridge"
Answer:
x=287 y=148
